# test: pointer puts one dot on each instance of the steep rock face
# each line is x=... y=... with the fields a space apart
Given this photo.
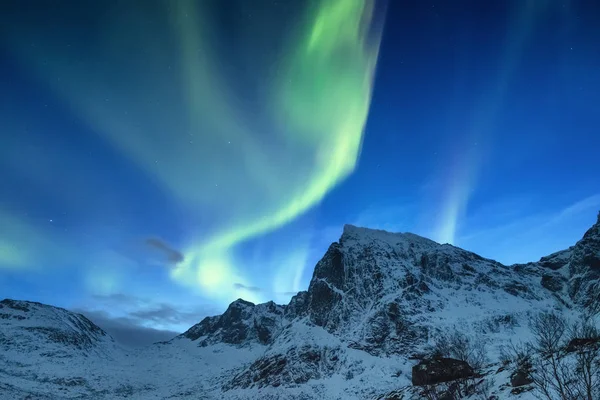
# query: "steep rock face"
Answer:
x=389 y=294
x=298 y=306
x=327 y=288
x=296 y=366
x=573 y=275
x=242 y=322
x=584 y=269
x=373 y=287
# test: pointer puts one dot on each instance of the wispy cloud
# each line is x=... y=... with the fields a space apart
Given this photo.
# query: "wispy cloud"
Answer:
x=524 y=234
x=247 y=287
x=173 y=256
x=136 y=311
x=127 y=331
x=165 y=314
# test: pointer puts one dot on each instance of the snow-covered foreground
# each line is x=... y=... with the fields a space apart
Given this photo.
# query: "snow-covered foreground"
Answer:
x=376 y=304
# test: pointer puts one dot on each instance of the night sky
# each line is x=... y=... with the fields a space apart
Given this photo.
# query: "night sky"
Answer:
x=159 y=160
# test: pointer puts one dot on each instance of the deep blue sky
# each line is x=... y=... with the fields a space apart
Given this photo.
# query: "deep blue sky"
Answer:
x=483 y=131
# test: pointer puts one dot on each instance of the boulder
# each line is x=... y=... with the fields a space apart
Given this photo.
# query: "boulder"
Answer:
x=581 y=343
x=437 y=370
x=520 y=377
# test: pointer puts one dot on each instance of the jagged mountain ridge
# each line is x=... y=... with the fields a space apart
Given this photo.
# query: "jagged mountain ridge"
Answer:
x=370 y=264
x=374 y=301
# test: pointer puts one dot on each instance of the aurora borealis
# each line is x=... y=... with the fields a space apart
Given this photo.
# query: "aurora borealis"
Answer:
x=194 y=152
x=212 y=156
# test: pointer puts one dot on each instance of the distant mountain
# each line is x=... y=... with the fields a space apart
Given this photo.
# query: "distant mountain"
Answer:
x=374 y=306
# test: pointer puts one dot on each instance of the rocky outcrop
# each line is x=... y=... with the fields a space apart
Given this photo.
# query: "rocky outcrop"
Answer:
x=297 y=366
x=553 y=283
x=573 y=275
x=578 y=344
x=439 y=370
x=584 y=269
x=373 y=290
x=521 y=377
x=242 y=322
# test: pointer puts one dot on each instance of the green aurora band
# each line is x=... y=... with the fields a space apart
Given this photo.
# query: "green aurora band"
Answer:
x=324 y=96
x=176 y=113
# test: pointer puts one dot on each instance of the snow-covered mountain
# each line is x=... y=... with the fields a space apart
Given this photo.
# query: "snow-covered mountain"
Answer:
x=375 y=303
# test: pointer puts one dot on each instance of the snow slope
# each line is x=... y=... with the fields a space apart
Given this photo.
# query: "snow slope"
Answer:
x=375 y=303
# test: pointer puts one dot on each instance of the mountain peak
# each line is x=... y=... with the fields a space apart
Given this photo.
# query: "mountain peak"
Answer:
x=364 y=235
x=22 y=305
x=594 y=231
x=242 y=303
x=584 y=268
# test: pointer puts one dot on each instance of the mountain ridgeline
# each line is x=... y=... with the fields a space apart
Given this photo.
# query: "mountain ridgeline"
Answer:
x=375 y=304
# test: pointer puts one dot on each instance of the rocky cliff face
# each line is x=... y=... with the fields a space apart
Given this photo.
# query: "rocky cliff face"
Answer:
x=584 y=269
x=388 y=294
x=376 y=299
x=243 y=322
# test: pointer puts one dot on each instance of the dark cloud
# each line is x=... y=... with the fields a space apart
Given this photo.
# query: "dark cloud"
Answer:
x=249 y=288
x=128 y=331
x=166 y=314
x=118 y=298
x=173 y=256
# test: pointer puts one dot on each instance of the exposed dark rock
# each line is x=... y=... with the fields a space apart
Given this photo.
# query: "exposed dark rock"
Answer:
x=584 y=267
x=516 y=288
x=331 y=267
x=520 y=377
x=582 y=343
x=12 y=316
x=438 y=370
x=395 y=395
x=326 y=286
x=69 y=338
x=298 y=306
x=521 y=389
x=265 y=371
x=552 y=283
x=17 y=305
x=323 y=300
x=483 y=279
x=297 y=366
x=554 y=261
x=468 y=268
x=242 y=321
